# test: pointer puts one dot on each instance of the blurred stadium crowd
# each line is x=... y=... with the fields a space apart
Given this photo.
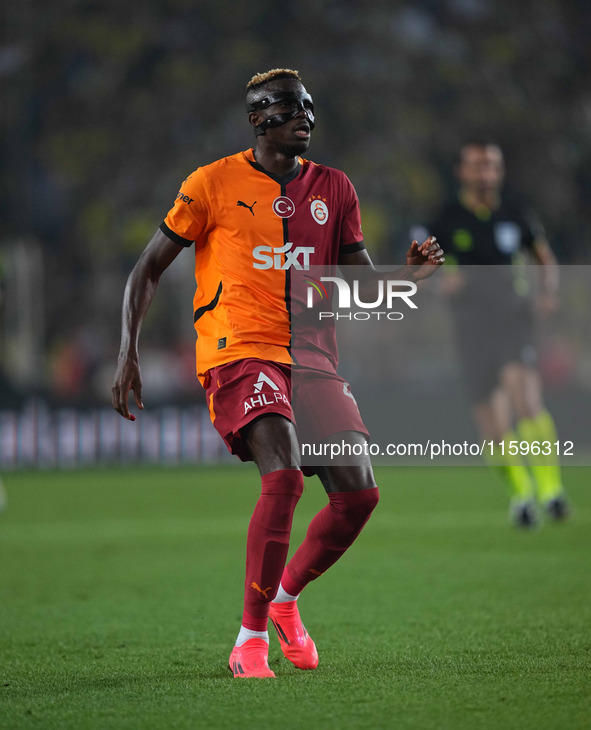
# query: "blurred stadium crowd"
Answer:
x=107 y=106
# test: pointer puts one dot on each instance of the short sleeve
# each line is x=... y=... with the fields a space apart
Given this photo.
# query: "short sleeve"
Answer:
x=190 y=218
x=351 y=234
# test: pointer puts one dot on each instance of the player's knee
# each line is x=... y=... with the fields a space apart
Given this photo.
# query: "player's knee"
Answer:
x=371 y=497
x=295 y=483
x=356 y=506
x=283 y=483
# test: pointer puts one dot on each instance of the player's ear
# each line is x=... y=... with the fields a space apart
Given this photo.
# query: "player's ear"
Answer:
x=255 y=118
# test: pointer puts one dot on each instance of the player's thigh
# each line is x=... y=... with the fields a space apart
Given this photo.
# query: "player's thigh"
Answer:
x=524 y=386
x=272 y=442
x=354 y=472
x=323 y=406
x=244 y=391
x=493 y=415
x=478 y=365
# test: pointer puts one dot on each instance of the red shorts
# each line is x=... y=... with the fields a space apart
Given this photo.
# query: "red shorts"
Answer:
x=318 y=403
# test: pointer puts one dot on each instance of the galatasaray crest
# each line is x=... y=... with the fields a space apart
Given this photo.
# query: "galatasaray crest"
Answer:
x=318 y=209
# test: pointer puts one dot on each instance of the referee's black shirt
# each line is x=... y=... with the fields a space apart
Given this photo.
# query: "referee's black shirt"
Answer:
x=487 y=238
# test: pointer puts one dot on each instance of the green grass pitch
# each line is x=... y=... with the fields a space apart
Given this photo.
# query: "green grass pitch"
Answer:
x=120 y=598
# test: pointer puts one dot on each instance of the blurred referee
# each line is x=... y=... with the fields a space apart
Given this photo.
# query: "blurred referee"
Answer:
x=484 y=235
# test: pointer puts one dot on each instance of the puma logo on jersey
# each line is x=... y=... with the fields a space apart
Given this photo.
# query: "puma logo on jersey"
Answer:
x=243 y=205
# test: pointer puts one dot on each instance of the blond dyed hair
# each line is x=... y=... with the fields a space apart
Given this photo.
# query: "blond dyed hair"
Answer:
x=275 y=73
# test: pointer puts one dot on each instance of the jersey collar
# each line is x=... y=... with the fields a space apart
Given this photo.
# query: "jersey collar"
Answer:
x=282 y=180
x=482 y=212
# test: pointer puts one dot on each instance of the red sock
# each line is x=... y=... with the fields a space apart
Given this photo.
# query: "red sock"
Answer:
x=330 y=533
x=267 y=543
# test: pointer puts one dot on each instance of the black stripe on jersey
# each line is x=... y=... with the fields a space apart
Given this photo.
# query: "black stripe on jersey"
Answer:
x=352 y=247
x=287 y=272
x=174 y=237
x=281 y=179
x=208 y=307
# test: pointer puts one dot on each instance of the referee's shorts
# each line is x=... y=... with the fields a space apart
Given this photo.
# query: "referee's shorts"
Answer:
x=487 y=342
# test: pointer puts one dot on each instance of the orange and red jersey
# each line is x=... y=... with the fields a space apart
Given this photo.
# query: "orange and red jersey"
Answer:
x=251 y=230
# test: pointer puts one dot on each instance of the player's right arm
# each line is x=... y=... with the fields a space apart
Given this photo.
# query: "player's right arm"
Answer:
x=535 y=240
x=548 y=297
x=139 y=292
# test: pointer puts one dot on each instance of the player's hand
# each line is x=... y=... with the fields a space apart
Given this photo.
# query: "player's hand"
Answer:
x=127 y=377
x=424 y=258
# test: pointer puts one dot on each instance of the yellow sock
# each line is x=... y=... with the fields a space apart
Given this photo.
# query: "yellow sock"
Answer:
x=546 y=469
x=513 y=471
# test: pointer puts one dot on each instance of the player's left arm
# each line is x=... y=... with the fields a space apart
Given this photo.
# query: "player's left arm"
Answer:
x=549 y=275
x=422 y=261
